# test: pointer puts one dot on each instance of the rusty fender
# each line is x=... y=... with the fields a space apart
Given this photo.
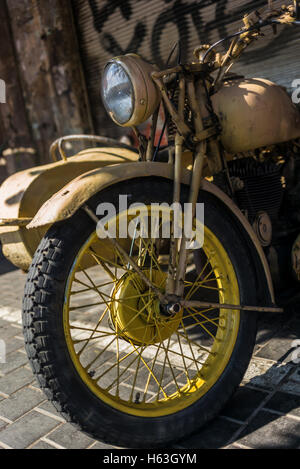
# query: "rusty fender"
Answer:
x=70 y=198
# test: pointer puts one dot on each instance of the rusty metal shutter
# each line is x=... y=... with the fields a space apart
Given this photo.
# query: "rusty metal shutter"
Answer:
x=151 y=27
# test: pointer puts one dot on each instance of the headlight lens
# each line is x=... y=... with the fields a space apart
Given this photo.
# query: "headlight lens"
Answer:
x=128 y=91
x=117 y=93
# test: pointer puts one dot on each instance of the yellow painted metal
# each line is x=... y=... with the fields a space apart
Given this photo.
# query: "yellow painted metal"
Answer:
x=71 y=197
x=193 y=385
x=22 y=194
x=130 y=294
x=254 y=113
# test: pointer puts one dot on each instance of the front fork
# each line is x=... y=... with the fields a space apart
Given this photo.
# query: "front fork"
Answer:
x=176 y=273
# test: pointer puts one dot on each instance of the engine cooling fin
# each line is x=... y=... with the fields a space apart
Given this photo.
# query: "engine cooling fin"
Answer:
x=262 y=187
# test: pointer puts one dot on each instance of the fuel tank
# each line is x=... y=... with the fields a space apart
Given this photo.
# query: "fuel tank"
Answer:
x=254 y=113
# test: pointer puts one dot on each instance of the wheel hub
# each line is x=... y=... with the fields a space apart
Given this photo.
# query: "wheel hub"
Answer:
x=136 y=312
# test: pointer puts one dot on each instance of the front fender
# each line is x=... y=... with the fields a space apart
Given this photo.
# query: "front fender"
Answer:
x=71 y=197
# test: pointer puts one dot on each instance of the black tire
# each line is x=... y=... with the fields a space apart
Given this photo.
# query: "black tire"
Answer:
x=45 y=340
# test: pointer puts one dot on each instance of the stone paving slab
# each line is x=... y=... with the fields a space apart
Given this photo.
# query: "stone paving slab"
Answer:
x=20 y=402
x=265 y=374
x=15 y=380
x=42 y=445
x=270 y=431
x=283 y=403
x=263 y=413
x=243 y=404
x=27 y=430
x=70 y=438
x=215 y=435
x=292 y=385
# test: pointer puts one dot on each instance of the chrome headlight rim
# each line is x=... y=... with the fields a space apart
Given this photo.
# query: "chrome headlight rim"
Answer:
x=145 y=96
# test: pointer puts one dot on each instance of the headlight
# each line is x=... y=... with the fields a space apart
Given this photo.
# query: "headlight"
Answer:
x=128 y=91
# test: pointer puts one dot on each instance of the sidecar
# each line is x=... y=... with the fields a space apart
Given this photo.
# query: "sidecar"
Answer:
x=23 y=193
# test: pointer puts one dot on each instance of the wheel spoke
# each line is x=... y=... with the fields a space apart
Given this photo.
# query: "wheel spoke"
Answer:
x=192 y=326
x=79 y=341
x=190 y=341
x=136 y=374
x=150 y=371
x=191 y=348
x=177 y=353
x=124 y=370
x=191 y=290
x=123 y=289
x=199 y=285
x=206 y=330
x=85 y=290
x=94 y=331
x=182 y=356
x=99 y=354
x=161 y=377
x=152 y=255
x=118 y=360
x=194 y=311
x=115 y=364
x=74 y=308
x=100 y=262
x=168 y=360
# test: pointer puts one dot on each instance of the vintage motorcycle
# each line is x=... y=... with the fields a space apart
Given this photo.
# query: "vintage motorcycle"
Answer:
x=140 y=339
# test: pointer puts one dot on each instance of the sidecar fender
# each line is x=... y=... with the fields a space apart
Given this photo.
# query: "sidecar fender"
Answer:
x=71 y=197
x=23 y=194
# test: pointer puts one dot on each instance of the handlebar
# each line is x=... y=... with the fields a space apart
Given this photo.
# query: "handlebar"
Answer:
x=283 y=17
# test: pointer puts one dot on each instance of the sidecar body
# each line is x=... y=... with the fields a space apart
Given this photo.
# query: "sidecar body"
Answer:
x=23 y=193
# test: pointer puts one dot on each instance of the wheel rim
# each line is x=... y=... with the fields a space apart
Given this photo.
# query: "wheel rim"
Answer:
x=127 y=353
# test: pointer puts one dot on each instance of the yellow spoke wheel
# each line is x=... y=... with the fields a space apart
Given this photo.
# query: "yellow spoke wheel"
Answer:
x=140 y=327
x=114 y=360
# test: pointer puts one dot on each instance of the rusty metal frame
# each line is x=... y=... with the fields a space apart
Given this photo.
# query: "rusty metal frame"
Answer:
x=15 y=221
x=58 y=144
x=203 y=304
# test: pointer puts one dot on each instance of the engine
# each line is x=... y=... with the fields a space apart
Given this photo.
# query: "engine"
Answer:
x=266 y=188
x=261 y=187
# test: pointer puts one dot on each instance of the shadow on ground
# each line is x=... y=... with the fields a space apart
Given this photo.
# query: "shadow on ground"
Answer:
x=5 y=265
x=264 y=413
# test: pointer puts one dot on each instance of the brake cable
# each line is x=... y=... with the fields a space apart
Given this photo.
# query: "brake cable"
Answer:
x=178 y=44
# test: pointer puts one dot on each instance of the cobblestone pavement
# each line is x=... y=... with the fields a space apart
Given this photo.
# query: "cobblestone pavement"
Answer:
x=264 y=413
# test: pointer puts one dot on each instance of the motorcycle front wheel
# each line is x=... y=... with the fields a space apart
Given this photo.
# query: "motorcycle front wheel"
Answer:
x=103 y=349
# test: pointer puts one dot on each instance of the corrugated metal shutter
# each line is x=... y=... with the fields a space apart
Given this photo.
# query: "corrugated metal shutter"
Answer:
x=151 y=27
